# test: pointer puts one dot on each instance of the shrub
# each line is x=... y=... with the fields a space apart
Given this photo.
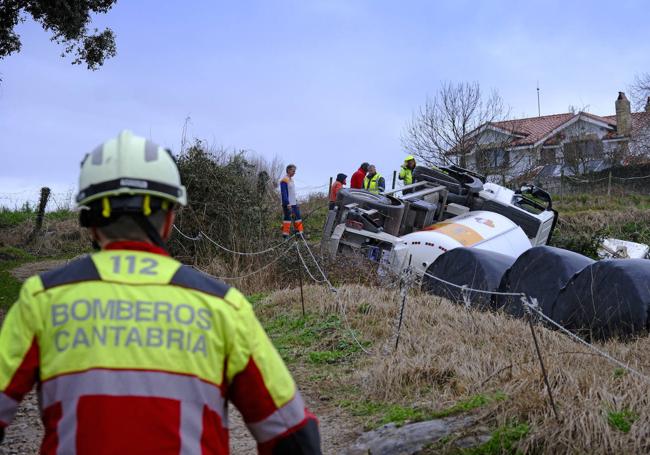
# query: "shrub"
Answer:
x=233 y=199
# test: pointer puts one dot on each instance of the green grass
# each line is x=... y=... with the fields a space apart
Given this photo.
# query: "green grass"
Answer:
x=316 y=339
x=15 y=217
x=622 y=420
x=256 y=298
x=503 y=440
x=379 y=413
x=585 y=202
x=10 y=286
x=471 y=403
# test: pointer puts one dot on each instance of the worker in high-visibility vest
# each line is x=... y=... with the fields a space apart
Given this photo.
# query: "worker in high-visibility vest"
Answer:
x=290 y=208
x=133 y=352
x=406 y=172
x=373 y=181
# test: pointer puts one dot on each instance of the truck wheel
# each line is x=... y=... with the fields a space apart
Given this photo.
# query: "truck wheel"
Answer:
x=391 y=209
x=461 y=186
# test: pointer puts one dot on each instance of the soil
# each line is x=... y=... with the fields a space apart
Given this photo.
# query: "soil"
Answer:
x=23 y=436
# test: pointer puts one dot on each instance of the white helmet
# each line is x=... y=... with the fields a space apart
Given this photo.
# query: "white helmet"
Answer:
x=129 y=165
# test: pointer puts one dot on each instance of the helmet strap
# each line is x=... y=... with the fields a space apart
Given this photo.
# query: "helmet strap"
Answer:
x=150 y=230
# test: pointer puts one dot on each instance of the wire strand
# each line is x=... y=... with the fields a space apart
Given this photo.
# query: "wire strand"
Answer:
x=335 y=291
x=264 y=267
x=203 y=235
x=526 y=301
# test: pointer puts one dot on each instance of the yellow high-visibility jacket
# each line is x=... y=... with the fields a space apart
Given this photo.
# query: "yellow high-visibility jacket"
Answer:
x=406 y=174
x=375 y=184
x=136 y=353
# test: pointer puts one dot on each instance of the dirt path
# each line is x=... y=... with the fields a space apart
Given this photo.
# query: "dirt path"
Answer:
x=32 y=268
x=24 y=435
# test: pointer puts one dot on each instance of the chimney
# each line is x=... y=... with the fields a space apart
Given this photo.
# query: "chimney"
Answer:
x=623 y=115
x=647 y=105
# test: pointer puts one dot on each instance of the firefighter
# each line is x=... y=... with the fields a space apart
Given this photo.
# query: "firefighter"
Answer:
x=336 y=186
x=373 y=181
x=290 y=207
x=406 y=172
x=133 y=352
x=356 y=181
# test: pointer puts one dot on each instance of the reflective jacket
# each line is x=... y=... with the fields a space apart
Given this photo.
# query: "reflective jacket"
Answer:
x=406 y=175
x=135 y=353
x=375 y=184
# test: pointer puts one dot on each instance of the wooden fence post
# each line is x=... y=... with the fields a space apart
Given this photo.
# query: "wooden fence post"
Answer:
x=609 y=184
x=40 y=214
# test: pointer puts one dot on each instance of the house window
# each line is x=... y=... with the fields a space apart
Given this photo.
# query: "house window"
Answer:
x=547 y=156
x=494 y=158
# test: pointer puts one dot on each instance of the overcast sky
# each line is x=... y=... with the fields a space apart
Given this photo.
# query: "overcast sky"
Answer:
x=325 y=84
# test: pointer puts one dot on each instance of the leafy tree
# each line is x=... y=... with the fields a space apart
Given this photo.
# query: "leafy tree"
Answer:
x=68 y=20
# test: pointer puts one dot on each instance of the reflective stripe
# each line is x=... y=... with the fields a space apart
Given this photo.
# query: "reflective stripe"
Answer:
x=8 y=408
x=288 y=416
x=190 y=391
x=191 y=428
x=150 y=151
x=98 y=155
x=67 y=428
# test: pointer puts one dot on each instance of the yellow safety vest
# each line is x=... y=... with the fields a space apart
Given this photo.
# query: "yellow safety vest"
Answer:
x=132 y=325
x=406 y=175
x=372 y=184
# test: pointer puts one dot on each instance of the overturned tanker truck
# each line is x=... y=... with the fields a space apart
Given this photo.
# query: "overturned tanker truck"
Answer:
x=452 y=226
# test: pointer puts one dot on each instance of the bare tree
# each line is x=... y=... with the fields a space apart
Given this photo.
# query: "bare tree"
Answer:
x=439 y=132
x=640 y=91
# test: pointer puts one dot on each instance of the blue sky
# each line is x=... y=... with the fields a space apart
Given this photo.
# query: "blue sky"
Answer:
x=325 y=84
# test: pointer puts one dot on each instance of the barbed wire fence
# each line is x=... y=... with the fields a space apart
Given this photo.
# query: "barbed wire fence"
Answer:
x=315 y=271
x=407 y=282
x=28 y=200
x=600 y=183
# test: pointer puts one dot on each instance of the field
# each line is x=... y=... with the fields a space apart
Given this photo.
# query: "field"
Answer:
x=451 y=363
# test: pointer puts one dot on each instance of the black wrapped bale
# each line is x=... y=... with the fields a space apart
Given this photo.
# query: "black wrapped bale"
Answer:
x=541 y=272
x=473 y=267
x=608 y=298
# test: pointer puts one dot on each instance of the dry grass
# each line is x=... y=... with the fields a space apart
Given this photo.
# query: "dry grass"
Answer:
x=58 y=237
x=448 y=354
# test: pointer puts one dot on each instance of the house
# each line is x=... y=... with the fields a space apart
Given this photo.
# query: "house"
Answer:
x=579 y=142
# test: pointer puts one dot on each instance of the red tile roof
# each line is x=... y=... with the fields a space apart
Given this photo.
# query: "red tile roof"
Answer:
x=534 y=129
x=639 y=120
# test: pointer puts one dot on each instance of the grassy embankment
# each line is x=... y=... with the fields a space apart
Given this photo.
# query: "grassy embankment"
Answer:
x=586 y=219
x=60 y=238
x=451 y=362
x=476 y=363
